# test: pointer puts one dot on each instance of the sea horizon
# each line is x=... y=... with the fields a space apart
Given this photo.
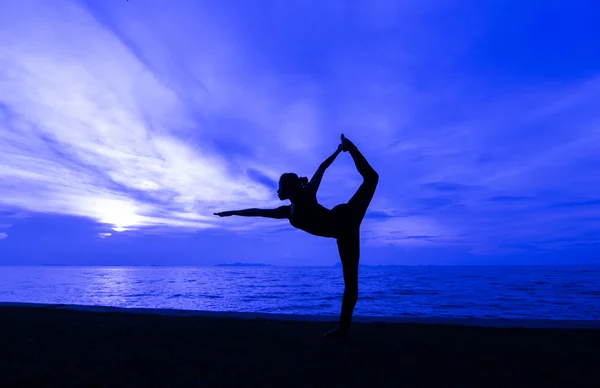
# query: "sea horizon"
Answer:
x=497 y=292
x=258 y=265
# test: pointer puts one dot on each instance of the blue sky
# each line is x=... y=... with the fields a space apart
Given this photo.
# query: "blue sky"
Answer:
x=125 y=125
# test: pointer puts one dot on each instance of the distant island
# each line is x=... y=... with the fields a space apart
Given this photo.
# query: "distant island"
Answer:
x=243 y=265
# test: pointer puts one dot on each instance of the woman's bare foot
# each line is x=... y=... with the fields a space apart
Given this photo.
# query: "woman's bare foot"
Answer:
x=336 y=333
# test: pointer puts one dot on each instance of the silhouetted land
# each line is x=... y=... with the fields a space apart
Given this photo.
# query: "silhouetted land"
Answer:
x=339 y=265
x=47 y=347
x=243 y=265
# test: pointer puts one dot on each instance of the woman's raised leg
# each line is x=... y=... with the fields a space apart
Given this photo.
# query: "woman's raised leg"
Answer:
x=361 y=200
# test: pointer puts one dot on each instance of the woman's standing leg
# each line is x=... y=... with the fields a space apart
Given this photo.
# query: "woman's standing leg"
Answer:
x=349 y=250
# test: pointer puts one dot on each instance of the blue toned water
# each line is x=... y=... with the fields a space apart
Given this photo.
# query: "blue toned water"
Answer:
x=561 y=292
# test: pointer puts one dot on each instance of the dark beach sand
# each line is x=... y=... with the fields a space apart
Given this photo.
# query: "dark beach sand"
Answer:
x=41 y=346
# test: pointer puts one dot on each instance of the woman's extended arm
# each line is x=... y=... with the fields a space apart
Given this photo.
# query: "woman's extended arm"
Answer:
x=315 y=181
x=280 y=212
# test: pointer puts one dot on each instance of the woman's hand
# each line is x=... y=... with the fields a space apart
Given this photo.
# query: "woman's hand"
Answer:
x=346 y=144
x=224 y=214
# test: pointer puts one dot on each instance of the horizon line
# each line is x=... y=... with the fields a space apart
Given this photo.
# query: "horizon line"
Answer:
x=259 y=265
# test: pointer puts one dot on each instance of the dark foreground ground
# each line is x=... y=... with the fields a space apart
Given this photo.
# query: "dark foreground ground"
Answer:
x=47 y=347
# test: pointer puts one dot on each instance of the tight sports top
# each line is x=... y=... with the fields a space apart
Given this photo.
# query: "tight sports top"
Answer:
x=310 y=216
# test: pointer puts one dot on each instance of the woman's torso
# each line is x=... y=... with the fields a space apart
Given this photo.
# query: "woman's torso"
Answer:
x=307 y=214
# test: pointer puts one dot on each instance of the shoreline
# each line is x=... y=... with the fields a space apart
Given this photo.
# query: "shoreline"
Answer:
x=505 y=323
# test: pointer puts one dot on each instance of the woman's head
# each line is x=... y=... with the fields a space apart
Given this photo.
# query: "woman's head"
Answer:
x=290 y=184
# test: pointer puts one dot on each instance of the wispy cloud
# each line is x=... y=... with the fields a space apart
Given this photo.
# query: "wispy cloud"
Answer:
x=89 y=130
x=3 y=228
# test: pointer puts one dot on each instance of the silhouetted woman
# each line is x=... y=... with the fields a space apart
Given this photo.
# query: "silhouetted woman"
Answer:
x=342 y=222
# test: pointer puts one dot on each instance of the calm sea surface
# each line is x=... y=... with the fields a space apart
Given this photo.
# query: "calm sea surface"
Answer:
x=561 y=292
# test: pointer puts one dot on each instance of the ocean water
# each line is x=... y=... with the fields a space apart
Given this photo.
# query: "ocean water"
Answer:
x=552 y=292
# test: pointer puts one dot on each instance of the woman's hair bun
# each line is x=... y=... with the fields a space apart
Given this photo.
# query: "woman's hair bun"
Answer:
x=303 y=180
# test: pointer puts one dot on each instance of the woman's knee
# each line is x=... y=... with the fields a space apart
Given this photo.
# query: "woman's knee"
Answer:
x=373 y=177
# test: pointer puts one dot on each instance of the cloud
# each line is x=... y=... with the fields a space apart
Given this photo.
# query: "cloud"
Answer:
x=3 y=227
x=447 y=187
x=108 y=112
x=87 y=129
x=402 y=231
